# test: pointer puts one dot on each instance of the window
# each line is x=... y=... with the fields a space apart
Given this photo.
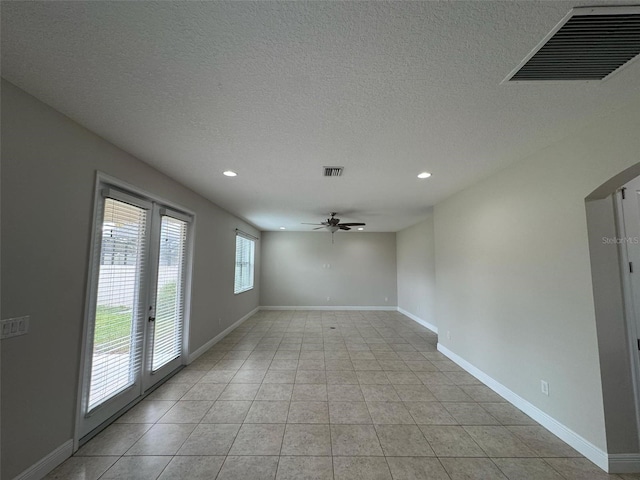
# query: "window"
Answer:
x=245 y=250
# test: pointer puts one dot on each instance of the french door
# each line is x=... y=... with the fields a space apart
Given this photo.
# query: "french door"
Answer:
x=137 y=302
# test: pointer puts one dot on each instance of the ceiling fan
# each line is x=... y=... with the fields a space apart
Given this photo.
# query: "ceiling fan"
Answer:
x=333 y=224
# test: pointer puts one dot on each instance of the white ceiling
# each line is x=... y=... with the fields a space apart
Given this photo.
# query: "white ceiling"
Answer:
x=275 y=91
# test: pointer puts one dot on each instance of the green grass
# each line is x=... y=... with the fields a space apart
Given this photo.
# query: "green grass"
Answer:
x=113 y=324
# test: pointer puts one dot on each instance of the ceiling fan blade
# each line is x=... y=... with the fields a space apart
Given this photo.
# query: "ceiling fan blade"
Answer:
x=319 y=228
x=312 y=223
x=352 y=224
x=342 y=227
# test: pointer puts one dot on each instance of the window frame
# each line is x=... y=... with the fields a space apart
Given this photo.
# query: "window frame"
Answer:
x=238 y=287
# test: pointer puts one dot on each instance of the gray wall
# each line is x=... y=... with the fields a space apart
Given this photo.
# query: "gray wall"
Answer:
x=416 y=270
x=362 y=272
x=513 y=277
x=49 y=166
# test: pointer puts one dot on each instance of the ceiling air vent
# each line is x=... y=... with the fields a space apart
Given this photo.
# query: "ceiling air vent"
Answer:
x=588 y=44
x=333 y=171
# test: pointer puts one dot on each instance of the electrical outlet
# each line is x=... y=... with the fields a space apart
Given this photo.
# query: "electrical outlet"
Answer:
x=544 y=387
x=386 y=299
x=328 y=298
x=448 y=335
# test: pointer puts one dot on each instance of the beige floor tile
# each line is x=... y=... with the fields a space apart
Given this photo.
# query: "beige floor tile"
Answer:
x=249 y=376
x=239 y=391
x=147 y=411
x=275 y=391
x=258 y=439
x=204 y=391
x=379 y=393
x=349 y=413
x=353 y=440
x=526 y=469
x=403 y=441
x=360 y=468
x=507 y=414
x=268 y=412
x=308 y=412
x=414 y=393
x=470 y=414
x=345 y=393
x=403 y=378
x=372 y=378
x=137 y=468
x=306 y=440
x=227 y=411
x=543 y=442
x=451 y=441
x=309 y=392
x=579 y=469
x=341 y=377
x=186 y=411
x=174 y=391
x=449 y=393
x=162 y=439
x=389 y=413
x=498 y=442
x=116 y=439
x=430 y=413
x=192 y=468
x=394 y=366
x=481 y=393
x=82 y=468
x=210 y=439
x=218 y=376
x=279 y=376
x=311 y=376
x=305 y=468
x=416 y=468
x=248 y=467
x=472 y=469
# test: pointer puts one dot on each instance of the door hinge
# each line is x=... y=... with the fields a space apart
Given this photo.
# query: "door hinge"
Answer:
x=630 y=267
x=623 y=190
x=639 y=344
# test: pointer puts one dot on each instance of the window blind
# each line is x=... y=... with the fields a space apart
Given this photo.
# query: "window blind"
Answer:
x=117 y=313
x=245 y=249
x=167 y=343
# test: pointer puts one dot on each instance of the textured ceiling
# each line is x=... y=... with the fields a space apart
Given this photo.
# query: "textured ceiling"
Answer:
x=277 y=90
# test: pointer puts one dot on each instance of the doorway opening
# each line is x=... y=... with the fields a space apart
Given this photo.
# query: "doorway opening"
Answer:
x=137 y=301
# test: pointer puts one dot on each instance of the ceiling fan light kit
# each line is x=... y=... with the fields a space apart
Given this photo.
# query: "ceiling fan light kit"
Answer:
x=333 y=225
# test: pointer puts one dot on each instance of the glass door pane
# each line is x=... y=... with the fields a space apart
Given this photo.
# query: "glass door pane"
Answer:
x=117 y=330
x=169 y=312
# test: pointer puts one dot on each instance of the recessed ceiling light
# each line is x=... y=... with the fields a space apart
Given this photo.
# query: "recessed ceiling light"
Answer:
x=360 y=228
x=229 y=173
x=282 y=228
x=424 y=175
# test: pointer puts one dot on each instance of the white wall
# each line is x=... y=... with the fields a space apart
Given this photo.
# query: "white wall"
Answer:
x=513 y=278
x=49 y=166
x=416 y=270
x=362 y=269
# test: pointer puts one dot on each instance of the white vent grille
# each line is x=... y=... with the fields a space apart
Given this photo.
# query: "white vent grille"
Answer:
x=333 y=171
x=588 y=44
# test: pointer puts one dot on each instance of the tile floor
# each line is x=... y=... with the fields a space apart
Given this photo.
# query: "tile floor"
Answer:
x=295 y=395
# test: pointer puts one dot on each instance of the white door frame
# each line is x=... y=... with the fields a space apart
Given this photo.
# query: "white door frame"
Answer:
x=628 y=300
x=101 y=180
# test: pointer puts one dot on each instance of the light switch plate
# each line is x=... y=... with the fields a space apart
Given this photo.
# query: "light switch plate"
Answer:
x=12 y=327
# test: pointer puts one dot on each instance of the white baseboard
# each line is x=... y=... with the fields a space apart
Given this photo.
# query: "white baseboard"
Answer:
x=220 y=336
x=586 y=448
x=48 y=463
x=336 y=308
x=422 y=322
x=624 y=462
